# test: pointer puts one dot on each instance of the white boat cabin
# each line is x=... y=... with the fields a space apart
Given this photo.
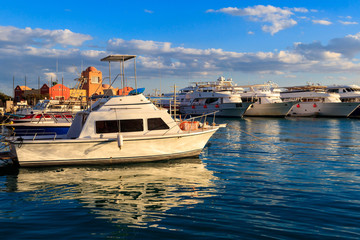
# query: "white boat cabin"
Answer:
x=125 y=115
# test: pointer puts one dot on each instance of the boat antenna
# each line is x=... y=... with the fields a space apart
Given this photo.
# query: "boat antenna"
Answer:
x=175 y=102
x=135 y=76
x=109 y=73
x=160 y=80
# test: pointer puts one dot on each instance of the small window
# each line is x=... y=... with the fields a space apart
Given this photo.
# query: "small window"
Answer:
x=156 y=124
x=211 y=100
x=94 y=79
x=131 y=125
x=107 y=126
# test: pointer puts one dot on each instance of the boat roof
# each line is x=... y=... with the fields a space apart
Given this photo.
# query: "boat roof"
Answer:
x=256 y=85
x=343 y=86
x=118 y=58
x=306 y=87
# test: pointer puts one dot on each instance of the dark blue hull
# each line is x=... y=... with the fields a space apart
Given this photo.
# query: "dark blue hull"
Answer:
x=40 y=130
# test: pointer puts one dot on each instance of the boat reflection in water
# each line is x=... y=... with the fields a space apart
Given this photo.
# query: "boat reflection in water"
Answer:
x=133 y=194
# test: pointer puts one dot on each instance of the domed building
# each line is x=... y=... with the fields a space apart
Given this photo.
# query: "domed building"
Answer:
x=92 y=81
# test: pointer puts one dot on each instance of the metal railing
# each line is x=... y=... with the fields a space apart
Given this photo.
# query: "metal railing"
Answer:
x=31 y=135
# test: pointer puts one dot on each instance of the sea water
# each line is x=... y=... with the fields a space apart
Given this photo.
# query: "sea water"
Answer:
x=258 y=178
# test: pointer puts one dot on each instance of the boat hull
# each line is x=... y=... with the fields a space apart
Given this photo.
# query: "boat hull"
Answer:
x=269 y=109
x=39 y=129
x=319 y=109
x=222 y=110
x=109 y=151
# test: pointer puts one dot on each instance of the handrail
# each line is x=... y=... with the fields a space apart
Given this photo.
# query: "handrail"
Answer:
x=192 y=119
x=33 y=132
x=202 y=115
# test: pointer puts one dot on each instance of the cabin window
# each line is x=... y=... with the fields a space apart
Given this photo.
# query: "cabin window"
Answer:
x=156 y=124
x=113 y=126
x=107 y=126
x=131 y=125
x=211 y=100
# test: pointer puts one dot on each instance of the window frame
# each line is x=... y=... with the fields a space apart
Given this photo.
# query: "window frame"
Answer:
x=119 y=126
x=162 y=126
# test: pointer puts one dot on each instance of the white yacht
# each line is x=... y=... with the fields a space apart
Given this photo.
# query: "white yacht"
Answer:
x=117 y=129
x=315 y=101
x=221 y=96
x=266 y=101
x=348 y=93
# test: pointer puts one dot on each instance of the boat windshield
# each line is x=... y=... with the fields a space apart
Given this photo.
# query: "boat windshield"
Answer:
x=41 y=105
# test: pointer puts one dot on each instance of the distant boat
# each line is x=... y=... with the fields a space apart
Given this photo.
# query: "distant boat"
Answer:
x=47 y=127
x=266 y=101
x=117 y=129
x=221 y=96
x=348 y=93
x=52 y=106
x=314 y=101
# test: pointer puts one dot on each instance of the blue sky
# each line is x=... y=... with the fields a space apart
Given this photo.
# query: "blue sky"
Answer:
x=288 y=42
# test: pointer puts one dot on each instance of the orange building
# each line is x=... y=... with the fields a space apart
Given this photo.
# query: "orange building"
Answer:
x=59 y=91
x=92 y=81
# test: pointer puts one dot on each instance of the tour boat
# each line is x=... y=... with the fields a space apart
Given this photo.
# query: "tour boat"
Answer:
x=348 y=93
x=221 y=96
x=266 y=101
x=314 y=101
x=117 y=129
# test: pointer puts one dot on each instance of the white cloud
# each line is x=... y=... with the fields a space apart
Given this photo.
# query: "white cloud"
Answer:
x=322 y=22
x=92 y=53
x=277 y=18
x=41 y=37
x=302 y=10
x=50 y=76
x=348 y=23
x=251 y=33
x=148 y=11
x=177 y=61
x=272 y=72
x=23 y=57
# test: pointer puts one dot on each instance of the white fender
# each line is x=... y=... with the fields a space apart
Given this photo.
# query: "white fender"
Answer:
x=120 y=140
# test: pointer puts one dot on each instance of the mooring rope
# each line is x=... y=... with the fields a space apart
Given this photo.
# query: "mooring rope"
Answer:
x=239 y=129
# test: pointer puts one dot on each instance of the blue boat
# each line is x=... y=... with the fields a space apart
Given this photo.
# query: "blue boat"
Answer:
x=38 y=130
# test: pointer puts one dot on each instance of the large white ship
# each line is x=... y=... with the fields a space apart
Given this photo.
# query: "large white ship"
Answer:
x=314 y=101
x=221 y=96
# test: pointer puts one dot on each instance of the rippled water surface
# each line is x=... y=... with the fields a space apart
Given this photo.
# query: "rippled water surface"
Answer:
x=256 y=179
